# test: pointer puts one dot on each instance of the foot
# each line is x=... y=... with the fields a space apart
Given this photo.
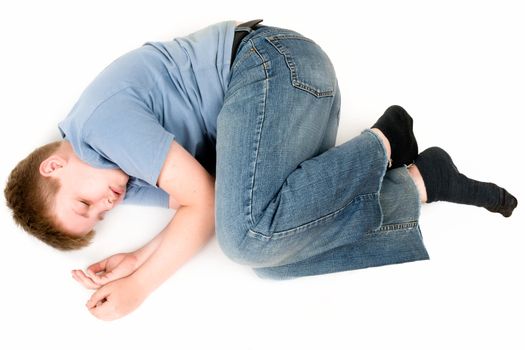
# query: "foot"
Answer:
x=443 y=182
x=397 y=125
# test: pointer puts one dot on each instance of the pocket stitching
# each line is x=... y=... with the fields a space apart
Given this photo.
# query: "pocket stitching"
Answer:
x=296 y=82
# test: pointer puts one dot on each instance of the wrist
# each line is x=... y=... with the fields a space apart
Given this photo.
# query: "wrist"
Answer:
x=136 y=287
x=140 y=256
x=143 y=281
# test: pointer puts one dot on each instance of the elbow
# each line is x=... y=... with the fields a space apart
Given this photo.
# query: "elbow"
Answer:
x=208 y=197
x=205 y=207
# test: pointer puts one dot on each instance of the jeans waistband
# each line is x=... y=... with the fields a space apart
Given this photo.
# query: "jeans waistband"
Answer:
x=240 y=32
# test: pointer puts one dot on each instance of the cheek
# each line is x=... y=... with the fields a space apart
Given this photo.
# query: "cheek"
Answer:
x=92 y=188
x=117 y=176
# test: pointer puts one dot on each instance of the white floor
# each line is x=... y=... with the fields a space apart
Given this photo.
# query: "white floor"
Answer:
x=456 y=66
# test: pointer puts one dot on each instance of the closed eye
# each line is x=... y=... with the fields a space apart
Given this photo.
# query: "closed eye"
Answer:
x=85 y=208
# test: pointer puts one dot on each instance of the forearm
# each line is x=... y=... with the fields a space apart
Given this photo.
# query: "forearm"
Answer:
x=182 y=238
x=145 y=252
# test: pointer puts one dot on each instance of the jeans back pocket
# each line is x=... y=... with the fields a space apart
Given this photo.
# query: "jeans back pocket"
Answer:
x=310 y=68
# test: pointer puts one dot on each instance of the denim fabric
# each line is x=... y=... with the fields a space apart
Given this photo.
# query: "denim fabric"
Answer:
x=289 y=203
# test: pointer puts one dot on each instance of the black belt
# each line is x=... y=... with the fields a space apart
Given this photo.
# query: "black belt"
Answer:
x=241 y=33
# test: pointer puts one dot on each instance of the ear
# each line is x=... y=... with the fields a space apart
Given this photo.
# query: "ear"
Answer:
x=49 y=166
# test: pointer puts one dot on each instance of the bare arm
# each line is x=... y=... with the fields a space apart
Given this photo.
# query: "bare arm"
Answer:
x=145 y=252
x=192 y=226
x=121 y=264
x=194 y=223
x=184 y=236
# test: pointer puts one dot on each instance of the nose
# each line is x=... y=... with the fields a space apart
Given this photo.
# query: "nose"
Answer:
x=110 y=200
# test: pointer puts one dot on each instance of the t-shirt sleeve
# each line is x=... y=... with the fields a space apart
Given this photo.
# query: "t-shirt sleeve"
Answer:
x=147 y=195
x=124 y=131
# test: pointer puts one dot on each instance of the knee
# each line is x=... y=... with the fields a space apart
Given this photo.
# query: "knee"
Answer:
x=228 y=241
x=238 y=245
x=237 y=238
x=230 y=237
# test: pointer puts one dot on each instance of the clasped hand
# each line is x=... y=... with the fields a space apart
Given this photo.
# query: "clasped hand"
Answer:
x=117 y=291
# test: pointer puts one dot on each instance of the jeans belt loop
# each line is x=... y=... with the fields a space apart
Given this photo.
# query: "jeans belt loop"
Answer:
x=240 y=32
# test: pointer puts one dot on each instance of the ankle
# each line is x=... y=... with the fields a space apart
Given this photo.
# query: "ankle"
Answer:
x=414 y=173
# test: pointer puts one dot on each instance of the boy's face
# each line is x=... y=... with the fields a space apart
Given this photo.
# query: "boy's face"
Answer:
x=86 y=193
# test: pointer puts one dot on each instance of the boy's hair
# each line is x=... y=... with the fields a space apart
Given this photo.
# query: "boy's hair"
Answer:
x=30 y=196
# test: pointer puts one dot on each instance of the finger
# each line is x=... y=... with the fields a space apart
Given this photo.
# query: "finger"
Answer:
x=87 y=280
x=107 y=277
x=100 y=279
x=99 y=296
x=81 y=278
x=74 y=275
x=97 y=267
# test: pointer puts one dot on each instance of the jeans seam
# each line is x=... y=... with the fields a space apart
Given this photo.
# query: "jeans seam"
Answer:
x=246 y=55
x=387 y=228
x=288 y=232
x=385 y=161
x=259 y=131
x=239 y=60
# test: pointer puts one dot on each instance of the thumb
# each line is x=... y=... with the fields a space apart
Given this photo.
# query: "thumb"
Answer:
x=107 y=277
x=95 y=268
x=103 y=278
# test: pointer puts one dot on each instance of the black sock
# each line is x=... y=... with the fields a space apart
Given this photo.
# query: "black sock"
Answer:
x=397 y=125
x=444 y=182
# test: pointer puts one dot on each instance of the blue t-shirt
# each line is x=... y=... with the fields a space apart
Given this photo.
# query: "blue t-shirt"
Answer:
x=129 y=115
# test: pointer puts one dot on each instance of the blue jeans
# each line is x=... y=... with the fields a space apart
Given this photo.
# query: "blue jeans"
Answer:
x=289 y=203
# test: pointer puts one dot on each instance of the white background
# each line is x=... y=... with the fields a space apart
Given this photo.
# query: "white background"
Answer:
x=456 y=66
